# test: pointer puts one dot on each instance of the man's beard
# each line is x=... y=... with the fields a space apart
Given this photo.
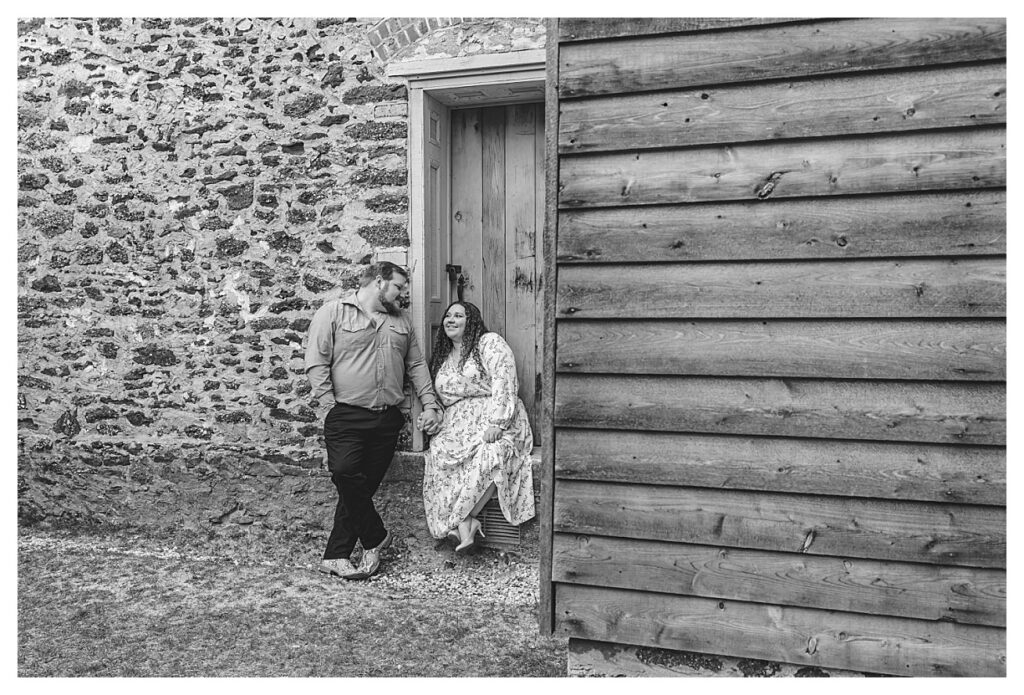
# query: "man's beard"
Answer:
x=391 y=307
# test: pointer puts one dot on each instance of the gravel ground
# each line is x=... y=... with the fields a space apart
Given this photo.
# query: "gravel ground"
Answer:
x=247 y=601
x=126 y=604
x=489 y=575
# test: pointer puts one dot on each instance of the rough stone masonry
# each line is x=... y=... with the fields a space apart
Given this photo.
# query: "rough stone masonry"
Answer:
x=189 y=192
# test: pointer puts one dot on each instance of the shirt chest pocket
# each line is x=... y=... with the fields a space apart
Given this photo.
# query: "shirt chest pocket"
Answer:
x=396 y=337
x=355 y=334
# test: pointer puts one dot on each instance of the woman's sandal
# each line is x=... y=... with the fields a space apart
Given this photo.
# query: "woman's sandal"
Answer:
x=474 y=528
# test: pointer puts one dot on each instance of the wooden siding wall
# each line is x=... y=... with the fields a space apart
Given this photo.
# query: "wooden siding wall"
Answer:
x=779 y=410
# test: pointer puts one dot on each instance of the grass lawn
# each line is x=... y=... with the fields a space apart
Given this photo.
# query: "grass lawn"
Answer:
x=99 y=606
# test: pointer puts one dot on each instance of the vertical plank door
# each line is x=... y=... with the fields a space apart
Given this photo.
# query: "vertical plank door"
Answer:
x=497 y=209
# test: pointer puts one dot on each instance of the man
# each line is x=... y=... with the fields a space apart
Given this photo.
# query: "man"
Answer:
x=360 y=348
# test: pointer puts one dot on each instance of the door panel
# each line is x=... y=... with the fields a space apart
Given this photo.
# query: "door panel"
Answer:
x=436 y=252
x=436 y=129
x=467 y=200
x=493 y=228
x=497 y=197
x=520 y=244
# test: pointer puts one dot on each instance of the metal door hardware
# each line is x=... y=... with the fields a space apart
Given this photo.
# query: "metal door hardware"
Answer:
x=455 y=276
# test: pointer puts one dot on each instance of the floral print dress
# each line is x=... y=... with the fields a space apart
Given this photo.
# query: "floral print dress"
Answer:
x=459 y=465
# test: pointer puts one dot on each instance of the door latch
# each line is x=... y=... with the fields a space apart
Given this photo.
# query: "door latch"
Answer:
x=456 y=277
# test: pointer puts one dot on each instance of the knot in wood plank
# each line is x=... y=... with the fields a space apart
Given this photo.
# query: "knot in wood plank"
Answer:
x=768 y=187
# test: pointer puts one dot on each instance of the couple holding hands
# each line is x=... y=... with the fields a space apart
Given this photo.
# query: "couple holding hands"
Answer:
x=360 y=349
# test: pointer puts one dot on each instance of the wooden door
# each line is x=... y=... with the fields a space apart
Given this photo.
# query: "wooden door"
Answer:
x=434 y=172
x=437 y=248
x=497 y=212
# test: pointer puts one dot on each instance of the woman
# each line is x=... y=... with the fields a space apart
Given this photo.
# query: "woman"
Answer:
x=483 y=444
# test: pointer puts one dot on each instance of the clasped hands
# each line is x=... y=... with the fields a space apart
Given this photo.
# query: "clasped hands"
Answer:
x=429 y=421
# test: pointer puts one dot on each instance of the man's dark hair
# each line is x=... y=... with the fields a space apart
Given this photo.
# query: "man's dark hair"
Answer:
x=386 y=269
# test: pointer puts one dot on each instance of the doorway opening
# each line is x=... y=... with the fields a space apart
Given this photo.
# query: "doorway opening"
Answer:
x=476 y=200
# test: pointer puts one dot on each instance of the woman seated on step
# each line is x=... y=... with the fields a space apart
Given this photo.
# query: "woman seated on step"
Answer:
x=483 y=444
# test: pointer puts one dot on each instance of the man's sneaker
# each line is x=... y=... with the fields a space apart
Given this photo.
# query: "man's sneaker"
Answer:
x=341 y=567
x=371 y=560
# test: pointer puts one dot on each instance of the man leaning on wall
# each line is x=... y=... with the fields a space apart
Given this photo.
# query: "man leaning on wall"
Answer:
x=359 y=349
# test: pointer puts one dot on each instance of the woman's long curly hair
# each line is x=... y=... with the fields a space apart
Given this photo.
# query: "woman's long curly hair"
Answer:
x=470 y=339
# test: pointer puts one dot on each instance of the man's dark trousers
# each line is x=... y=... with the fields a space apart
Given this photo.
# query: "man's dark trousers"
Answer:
x=360 y=445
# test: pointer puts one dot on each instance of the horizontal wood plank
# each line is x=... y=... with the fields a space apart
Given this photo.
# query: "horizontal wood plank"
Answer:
x=590 y=28
x=610 y=659
x=920 y=161
x=859 y=104
x=921 y=224
x=941 y=534
x=858 y=349
x=968 y=595
x=968 y=288
x=888 y=470
x=941 y=413
x=774 y=52
x=827 y=639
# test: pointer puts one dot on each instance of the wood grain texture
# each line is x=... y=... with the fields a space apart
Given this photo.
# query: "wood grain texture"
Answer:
x=549 y=239
x=887 y=470
x=858 y=349
x=587 y=658
x=521 y=170
x=492 y=296
x=940 y=534
x=786 y=215
x=968 y=288
x=967 y=595
x=590 y=28
x=827 y=639
x=941 y=413
x=854 y=104
x=541 y=264
x=960 y=223
x=783 y=51
x=467 y=200
x=919 y=161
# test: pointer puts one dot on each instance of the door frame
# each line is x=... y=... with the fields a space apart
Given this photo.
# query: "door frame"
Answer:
x=481 y=80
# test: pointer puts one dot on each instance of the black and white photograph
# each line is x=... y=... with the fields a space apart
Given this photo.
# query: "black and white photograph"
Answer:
x=555 y=347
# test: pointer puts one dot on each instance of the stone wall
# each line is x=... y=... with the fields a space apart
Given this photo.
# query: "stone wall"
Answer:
x=417 y=39
x=190 y=191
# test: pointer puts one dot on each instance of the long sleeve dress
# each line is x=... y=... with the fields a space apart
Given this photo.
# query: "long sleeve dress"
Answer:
x=459 y=466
